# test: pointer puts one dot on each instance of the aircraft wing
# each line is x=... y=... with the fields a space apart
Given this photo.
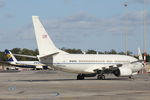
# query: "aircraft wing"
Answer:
x=108 y=69
x=105 y=69
x=25 y=56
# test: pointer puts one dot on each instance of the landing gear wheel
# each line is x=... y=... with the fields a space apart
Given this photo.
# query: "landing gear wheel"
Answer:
x=131 y=77
x=101 y=77
x=80 y=77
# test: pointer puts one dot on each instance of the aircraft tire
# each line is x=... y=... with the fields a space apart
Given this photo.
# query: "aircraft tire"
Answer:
x=80 y=77
x=101 y=77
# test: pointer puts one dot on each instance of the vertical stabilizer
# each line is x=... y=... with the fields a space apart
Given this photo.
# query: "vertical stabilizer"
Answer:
x=140 y=54
x=44 y=42
x=10 y=56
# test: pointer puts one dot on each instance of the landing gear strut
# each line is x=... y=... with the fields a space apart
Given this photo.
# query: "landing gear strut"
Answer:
x=101 y=77
x=80 y=77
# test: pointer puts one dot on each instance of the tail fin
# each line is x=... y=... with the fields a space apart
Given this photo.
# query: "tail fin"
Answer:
x=44 y=42
x=10 y=56
x=140 y=54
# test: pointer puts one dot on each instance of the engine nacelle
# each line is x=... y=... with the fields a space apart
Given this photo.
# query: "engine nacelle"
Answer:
x=122 y=71
x=39 y=67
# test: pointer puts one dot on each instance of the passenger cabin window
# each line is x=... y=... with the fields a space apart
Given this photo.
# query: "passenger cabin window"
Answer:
x=92 y=61
x=122 y=61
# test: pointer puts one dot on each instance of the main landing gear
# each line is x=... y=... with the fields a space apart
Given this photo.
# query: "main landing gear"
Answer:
x=101 y=77
x=80 y=77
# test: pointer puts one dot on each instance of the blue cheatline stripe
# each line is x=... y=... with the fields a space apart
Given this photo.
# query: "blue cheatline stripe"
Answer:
x=25 y=66
x=82 y=63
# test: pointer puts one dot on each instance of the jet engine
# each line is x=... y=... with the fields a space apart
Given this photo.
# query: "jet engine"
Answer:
x=39 y=67
x=122 y=71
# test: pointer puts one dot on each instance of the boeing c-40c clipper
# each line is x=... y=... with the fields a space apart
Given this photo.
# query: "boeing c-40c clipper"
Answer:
x=85 y=65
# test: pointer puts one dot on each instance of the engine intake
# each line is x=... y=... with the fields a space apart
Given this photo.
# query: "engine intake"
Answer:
x=122 y=71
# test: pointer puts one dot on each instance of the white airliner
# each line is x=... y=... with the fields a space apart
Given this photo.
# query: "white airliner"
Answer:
x=85 y=65
x=24 y=64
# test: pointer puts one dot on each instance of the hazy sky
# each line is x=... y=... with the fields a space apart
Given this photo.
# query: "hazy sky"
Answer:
x=81 y=24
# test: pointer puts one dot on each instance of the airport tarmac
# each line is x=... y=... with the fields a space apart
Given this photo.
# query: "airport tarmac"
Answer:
x=56 y=85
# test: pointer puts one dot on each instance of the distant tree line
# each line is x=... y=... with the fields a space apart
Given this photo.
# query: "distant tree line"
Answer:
x=79 y=51
x=71 y=51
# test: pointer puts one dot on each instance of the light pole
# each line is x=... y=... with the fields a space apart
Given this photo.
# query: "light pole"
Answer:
x=145 y=31
x=126 y=30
